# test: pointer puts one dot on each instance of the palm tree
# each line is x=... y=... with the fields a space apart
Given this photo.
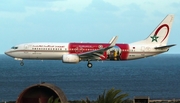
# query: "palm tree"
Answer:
x=86 y=101
x=111 y=96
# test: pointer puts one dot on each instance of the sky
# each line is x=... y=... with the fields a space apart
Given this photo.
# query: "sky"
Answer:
x=24 y=21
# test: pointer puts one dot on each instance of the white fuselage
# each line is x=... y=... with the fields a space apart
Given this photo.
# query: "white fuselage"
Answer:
x=55 y=51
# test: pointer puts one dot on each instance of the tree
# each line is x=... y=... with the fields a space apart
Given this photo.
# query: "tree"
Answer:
x=111 y=96
x=86 y=101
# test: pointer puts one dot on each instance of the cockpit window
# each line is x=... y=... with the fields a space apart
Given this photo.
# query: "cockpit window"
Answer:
x=14 y=47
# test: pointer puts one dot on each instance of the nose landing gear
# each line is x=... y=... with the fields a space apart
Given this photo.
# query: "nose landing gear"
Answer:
x=21 y=63
x=20 y=59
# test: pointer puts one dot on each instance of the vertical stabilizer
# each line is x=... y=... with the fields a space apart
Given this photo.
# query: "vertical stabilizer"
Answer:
x=161 y=33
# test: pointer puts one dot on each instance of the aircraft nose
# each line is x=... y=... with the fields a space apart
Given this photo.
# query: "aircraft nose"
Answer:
x=7 y=53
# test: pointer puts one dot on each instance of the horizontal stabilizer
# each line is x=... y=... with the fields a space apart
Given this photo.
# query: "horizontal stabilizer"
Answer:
x=167 y=46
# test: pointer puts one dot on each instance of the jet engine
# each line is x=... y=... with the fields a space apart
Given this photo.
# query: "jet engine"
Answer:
x=70 y=58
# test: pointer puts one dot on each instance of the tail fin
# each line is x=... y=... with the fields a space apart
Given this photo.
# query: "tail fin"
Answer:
x=161 y=33
x=159 y=36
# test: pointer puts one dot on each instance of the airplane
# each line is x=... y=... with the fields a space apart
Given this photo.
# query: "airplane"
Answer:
x=155 y=43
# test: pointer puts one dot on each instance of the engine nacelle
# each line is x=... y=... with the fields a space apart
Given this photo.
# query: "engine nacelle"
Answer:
x=70 y=58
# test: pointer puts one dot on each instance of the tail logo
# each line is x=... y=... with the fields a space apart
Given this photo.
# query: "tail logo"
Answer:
x=155 y=37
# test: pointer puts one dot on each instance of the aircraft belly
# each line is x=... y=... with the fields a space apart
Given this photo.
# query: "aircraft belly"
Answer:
x=138 y=55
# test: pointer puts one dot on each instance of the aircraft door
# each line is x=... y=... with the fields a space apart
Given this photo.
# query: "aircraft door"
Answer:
x=143 y=50
x=26 y=52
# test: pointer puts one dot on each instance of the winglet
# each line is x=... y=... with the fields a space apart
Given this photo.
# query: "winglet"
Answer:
x=113 y=41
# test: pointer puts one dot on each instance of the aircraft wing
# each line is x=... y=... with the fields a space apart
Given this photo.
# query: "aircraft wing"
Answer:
x=96 y=54
x=167 y=46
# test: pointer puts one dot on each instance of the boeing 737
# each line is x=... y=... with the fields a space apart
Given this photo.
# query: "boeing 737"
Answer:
x=154 y=44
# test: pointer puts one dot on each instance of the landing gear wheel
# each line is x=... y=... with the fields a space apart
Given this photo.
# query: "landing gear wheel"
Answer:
x=89 y=65
x=21 y=63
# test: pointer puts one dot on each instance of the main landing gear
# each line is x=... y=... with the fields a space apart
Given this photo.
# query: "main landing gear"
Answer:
x=89 y=65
